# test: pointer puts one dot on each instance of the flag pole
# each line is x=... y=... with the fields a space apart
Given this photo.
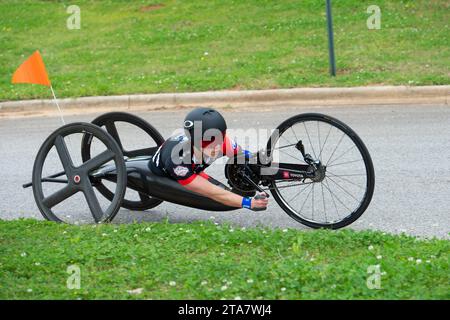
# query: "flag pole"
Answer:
x=56 y=102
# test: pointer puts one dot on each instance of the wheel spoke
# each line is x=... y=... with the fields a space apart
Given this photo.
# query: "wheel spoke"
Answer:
x=351 y=182
x=332 y=197
x=298 y=193
x=112 y=130
x=318 y=133
x=98 y=160
x=340 y=156
x=300 y=212
x=323 y=200
x=343 y=189
x=93 y=203
x=63 y=154
x=312 y=201
x=340 y=140
x=335 y=195
x=312 y=147
x=324 y=143
x=338 y=164
x=288 y=154
x=59 y=196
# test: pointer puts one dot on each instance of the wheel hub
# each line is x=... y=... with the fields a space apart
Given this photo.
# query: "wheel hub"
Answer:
x=76 y=179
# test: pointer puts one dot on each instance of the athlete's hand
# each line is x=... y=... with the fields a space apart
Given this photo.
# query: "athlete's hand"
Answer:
x=260 y=202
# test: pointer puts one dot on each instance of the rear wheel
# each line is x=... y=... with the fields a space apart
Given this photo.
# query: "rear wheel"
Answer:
x=76 y=177
x=343 y=193
x=109 y=121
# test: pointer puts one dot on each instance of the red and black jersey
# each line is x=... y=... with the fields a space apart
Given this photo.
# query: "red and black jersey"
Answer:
x=175 y=159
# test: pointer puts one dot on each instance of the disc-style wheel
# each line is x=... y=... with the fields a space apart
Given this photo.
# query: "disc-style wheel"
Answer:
x=109 y=121
x=78 y=178
x=343 y=187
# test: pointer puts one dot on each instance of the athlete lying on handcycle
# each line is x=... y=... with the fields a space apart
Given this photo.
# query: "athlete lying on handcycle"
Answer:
x=185 y=157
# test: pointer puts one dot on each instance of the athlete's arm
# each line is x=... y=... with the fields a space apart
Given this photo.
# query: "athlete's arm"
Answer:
x=202 y=186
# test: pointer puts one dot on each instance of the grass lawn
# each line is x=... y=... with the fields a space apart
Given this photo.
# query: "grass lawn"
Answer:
x=133 y=47
x=205 y=261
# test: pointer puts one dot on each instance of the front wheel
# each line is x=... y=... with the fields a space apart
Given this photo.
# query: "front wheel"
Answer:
x=343 y=188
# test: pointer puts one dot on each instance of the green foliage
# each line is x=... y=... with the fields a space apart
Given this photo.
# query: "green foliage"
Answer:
x=208 y=261
x=128 y=47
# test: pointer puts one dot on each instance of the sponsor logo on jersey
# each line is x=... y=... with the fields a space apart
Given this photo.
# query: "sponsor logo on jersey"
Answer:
x=181 y=171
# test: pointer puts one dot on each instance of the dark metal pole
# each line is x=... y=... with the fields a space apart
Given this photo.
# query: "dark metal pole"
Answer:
x=331 y=39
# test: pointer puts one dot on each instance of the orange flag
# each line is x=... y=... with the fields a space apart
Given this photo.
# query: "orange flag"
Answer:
x=32 y=71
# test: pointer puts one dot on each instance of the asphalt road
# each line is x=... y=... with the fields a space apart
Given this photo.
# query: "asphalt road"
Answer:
x=409 y=145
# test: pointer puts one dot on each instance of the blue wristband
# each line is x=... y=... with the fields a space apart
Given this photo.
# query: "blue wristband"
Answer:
x=247 y=154
x=246 y=202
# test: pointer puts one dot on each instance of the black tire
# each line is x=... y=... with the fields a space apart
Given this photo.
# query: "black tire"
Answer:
x=369 y=170
x=108 y=121
x=84 y=184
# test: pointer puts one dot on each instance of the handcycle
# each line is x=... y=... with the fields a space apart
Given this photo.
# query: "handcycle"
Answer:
x=316 y=168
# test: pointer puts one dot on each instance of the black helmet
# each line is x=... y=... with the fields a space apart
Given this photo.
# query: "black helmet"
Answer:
x=200 y=120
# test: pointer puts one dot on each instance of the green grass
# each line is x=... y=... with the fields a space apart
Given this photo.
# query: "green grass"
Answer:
x=205 y=261
x=221 y=44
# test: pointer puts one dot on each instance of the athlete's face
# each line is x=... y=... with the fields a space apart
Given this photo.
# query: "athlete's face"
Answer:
x=212 y=150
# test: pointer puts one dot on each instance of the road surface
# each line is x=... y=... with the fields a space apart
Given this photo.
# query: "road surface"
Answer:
x=409 y=145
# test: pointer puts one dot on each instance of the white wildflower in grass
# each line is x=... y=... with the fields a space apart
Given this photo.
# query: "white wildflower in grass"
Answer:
x=222 y=254
x=104 y=234
x=410 y=259
x=29 y=290
x=237 y=298
x=23 y=254
x=285 y=230
x=223 y=288
x=231 y=230
x=249 y=280
x=312 y=259
x=216 y=223
x=419 y=261
x=379 y=257
x=206 y=53
x=37 y=263
x=370 y=248
x=115 y=230
x=383 y=273
x=250 y=241
x=204 y=283
x=428 y=261
x=64 y=232
x=148 y=229
x=283 y=289
x=135 y=236
x=135 y=291
x=172 y=283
